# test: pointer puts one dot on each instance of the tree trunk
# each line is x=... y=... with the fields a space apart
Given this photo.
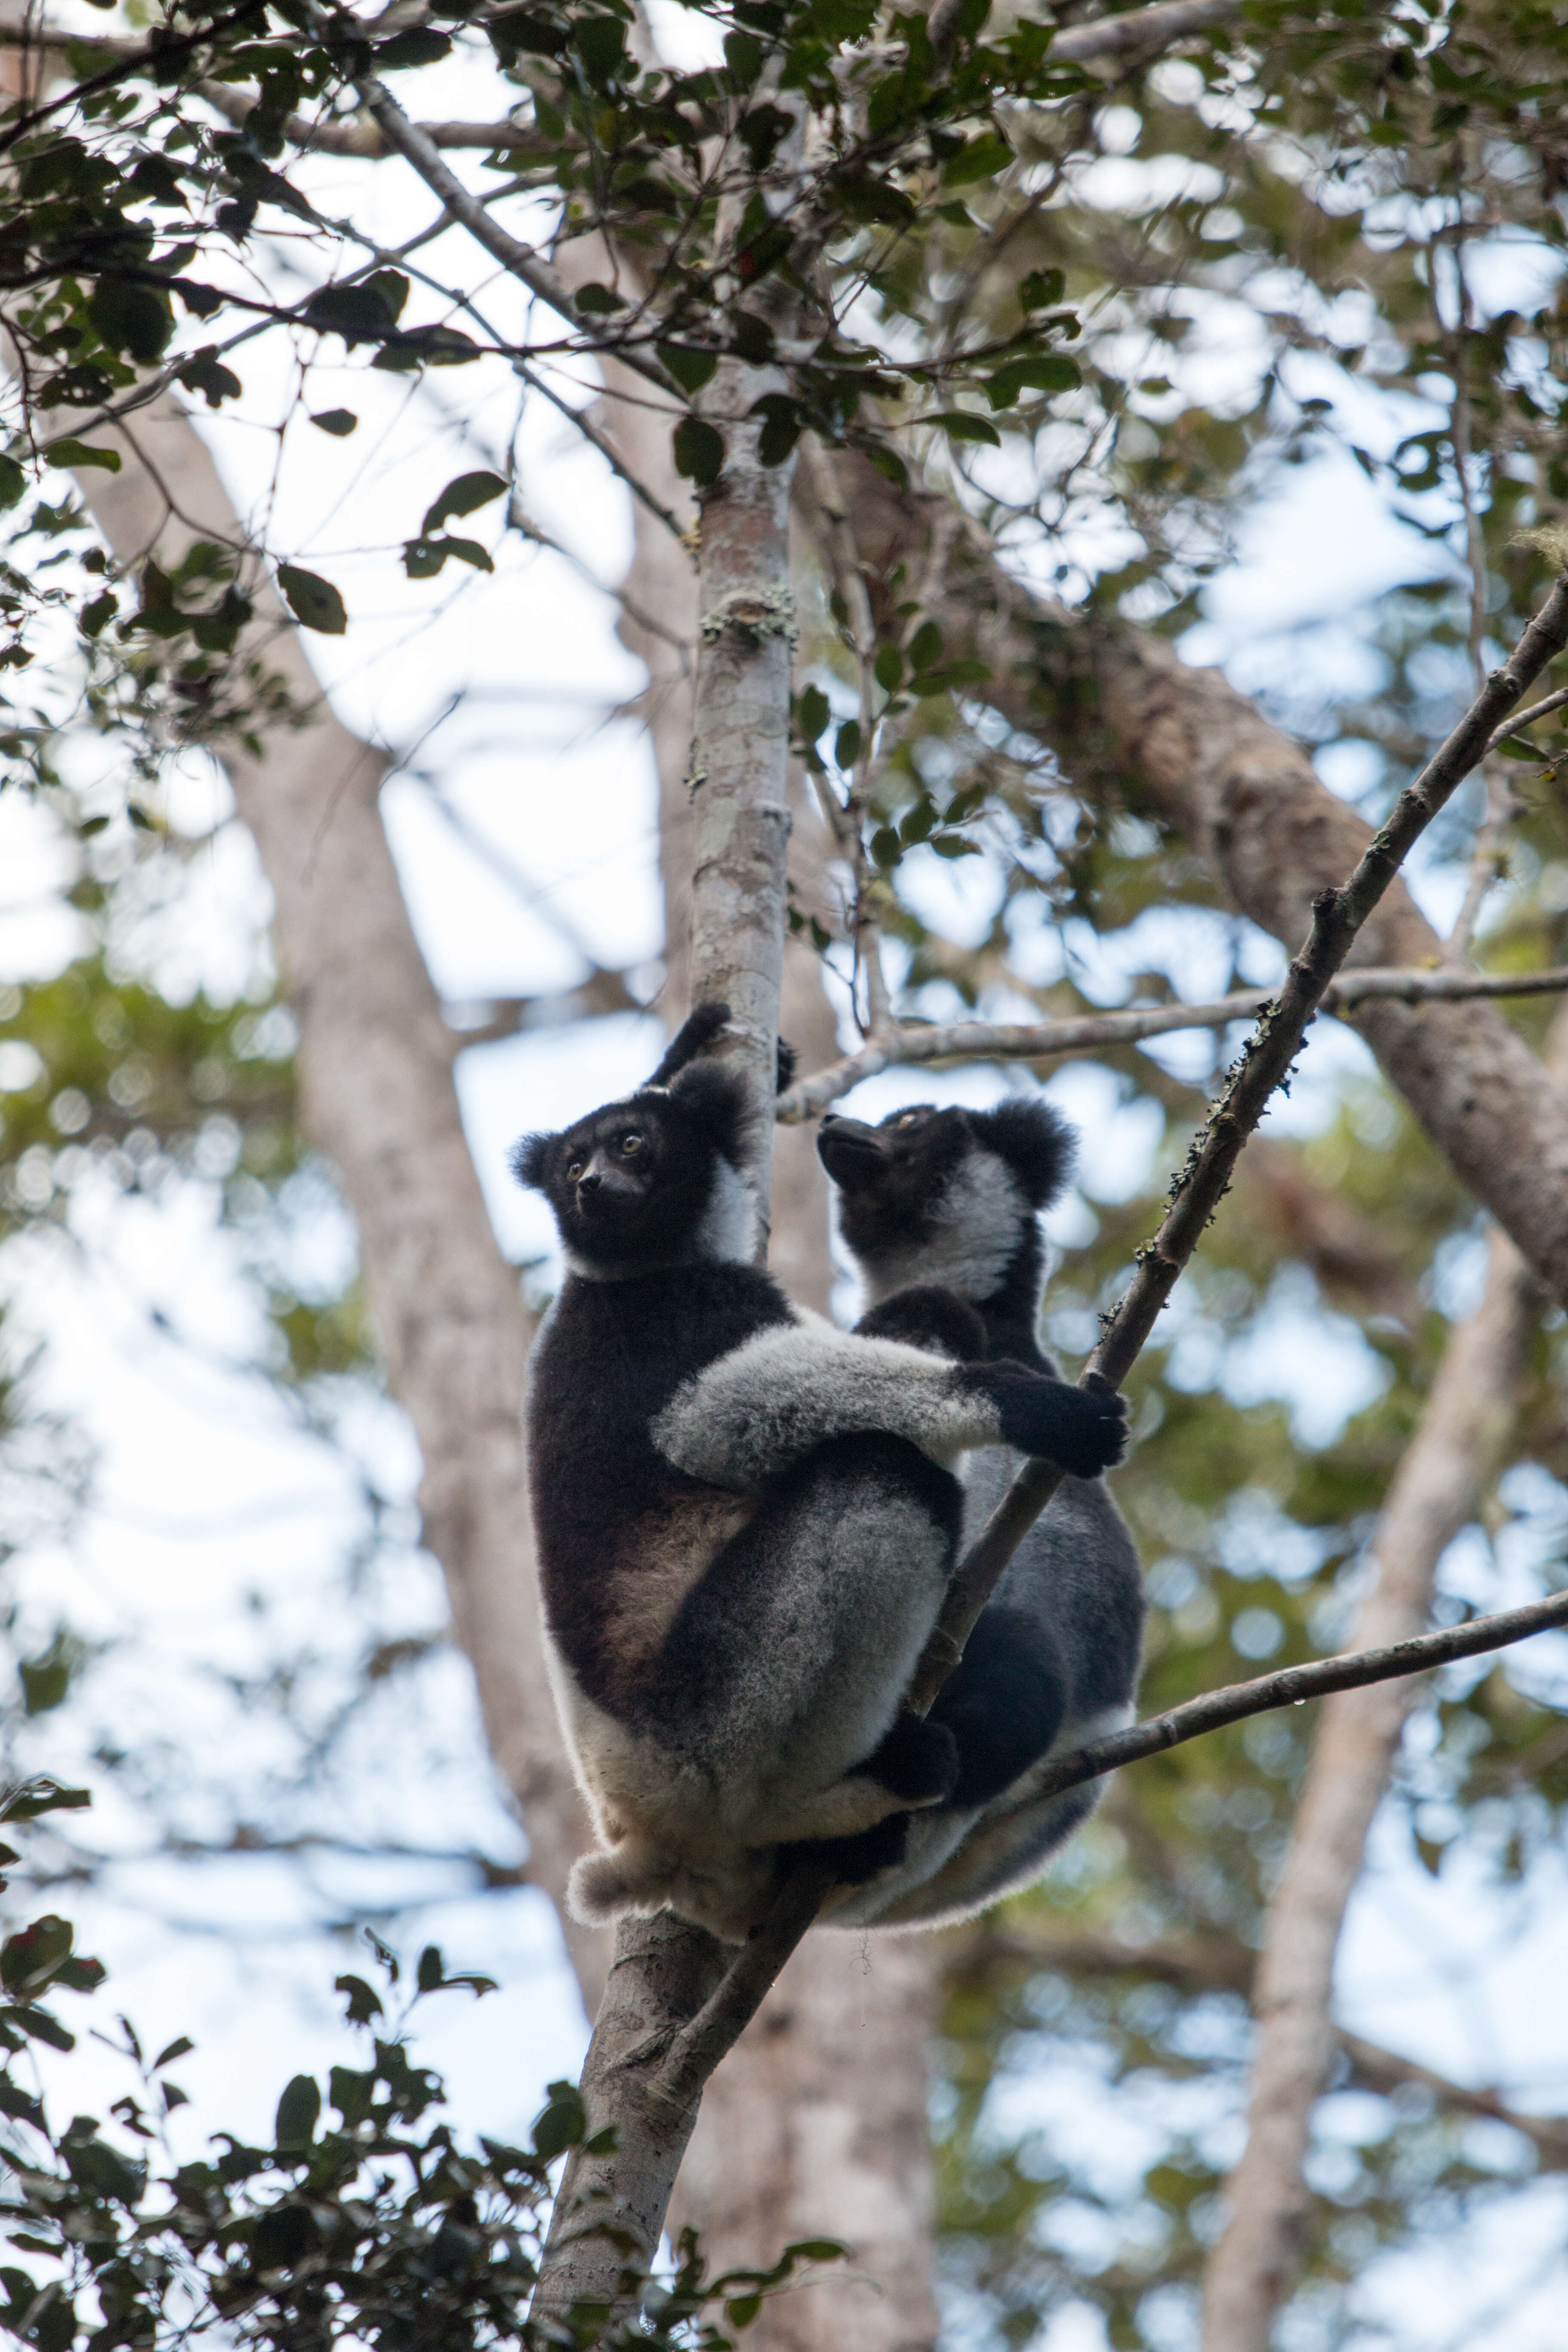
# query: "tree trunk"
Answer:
x=815 y=2124
x=1456 y=1447
x=377 y=1097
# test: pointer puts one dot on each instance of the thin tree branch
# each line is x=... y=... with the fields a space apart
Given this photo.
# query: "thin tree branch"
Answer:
x=1264 y=1062
x=1293 y=1685
x=1540 y=709
x=1086 y=1032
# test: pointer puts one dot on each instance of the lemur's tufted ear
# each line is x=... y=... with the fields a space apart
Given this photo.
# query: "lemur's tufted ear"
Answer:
x=701 y=1024
x=529 y=1160
x=714 y=1100
x=1035 y=1140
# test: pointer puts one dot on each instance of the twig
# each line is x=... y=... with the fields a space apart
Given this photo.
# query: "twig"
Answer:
x=1291 y=1686
x=1549 y=702
x=1037 y=1041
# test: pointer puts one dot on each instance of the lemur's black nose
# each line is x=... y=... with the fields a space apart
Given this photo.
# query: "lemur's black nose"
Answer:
x=590 y=1181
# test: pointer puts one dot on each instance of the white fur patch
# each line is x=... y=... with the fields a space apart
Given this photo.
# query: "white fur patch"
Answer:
x=729 y=1227
x=978 y=1221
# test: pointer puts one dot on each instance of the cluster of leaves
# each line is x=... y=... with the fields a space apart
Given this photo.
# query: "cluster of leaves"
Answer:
x=365 y=2220
x=130 y=179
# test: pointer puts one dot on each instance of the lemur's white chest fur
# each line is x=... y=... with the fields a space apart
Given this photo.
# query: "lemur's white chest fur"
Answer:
x=973 y=1238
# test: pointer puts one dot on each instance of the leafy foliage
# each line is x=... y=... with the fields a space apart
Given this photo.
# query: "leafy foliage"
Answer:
x=365 y=2219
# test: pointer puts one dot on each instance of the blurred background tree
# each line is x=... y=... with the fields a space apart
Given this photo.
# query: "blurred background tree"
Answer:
x=1314 y=257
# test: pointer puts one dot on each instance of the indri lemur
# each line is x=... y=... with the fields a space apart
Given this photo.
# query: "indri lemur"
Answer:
x=951 y=1196
x=746 y=1517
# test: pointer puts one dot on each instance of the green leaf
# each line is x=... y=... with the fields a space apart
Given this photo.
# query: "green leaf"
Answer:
x=1514 y=747
x=1044 y=370
x=314 y=602
x=690 y=369
x=417 y=347
x=297 y=2109
x=338 y=422
x=600 y=42
x=847 y=743
x=28 y=1799
x=131 y=317
x=925 y=646
x=888 y=668
x=176 y=2049
x=431 y=1973
x=811 y=712
x=960 y=425
x=598 y=301
x=364 y=2003
x=699 y=450
x=949 y=845
x=817 y=2250
x=391 y=287
x=423 y=558
x=982 y=159
x=463 y=496
x=1041 y=289
x=561 y=2124
x=886 y=847
x=70 y=452
x=360 y=314
x=422 y=47
x=13 y=482
x=742 y=2309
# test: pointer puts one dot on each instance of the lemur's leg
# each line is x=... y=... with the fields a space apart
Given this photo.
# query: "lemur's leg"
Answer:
x=784 y=1670
x=764 y=1406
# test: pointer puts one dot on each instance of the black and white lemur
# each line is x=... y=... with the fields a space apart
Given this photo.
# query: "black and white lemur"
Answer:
x=746 y=1517
x=951 y=1197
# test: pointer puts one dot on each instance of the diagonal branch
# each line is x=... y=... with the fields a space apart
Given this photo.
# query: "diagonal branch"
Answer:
x=1264 y=1062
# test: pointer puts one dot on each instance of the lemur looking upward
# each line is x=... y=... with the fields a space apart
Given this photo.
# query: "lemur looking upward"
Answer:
x=746 y=1517
x=951 y=1197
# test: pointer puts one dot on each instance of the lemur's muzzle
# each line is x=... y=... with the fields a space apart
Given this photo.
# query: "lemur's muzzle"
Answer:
x=853 y=1153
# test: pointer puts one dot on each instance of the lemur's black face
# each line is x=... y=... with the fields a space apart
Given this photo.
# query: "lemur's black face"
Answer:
x=896 y=1180
x=644 y=1181
x=892 y=1178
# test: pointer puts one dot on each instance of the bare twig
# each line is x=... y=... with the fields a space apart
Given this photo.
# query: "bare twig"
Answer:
x=1548 y=703
x=1088 y=1033
x=1292 y=1686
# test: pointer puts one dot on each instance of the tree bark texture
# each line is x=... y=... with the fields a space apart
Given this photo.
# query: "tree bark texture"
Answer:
x=815 y=2124
x=1457 y=1445
x=378 y=1100
x=1130 y=720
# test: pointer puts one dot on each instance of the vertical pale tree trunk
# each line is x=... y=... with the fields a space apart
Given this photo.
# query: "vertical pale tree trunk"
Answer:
x=1456 y=1447
x=377 y=1097
x=815 y=2125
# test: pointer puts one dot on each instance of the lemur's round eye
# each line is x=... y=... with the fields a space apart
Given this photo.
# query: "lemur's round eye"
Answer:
x=573 y=1172
x=630 y=1145
x=909 y=1119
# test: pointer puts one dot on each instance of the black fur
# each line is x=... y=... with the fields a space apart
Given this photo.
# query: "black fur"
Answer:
x=1058 y=1645
x=745 y=1519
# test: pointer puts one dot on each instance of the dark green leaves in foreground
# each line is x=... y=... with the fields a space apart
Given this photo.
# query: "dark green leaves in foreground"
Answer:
x=365 y=2219
x=314 y=602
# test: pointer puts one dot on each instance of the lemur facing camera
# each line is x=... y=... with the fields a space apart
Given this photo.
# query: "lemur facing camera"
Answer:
x=952 y=1197
x=746 y=1517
